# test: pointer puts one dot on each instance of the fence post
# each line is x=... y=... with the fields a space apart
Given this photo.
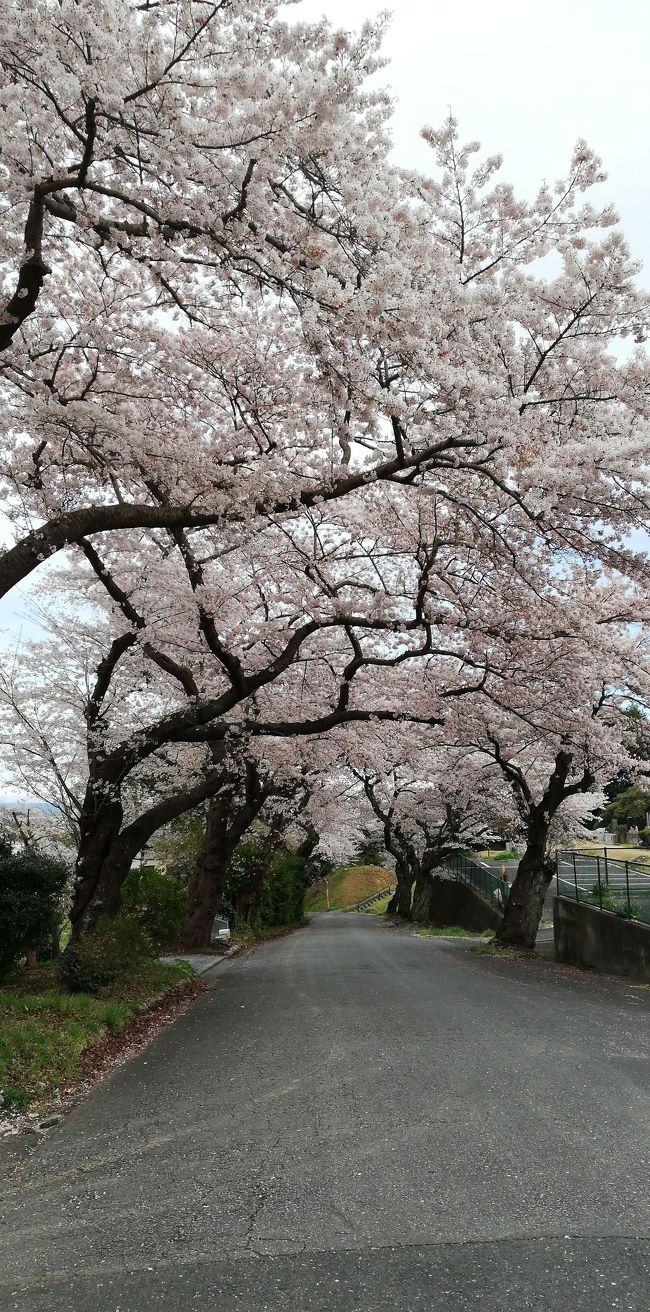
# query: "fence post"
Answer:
x=606 y=868
x=627 y=885
x=557 y=871
x=600 y=891
x=575 y=876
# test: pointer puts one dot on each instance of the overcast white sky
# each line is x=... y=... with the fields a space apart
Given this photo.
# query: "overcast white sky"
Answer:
x=525 y=78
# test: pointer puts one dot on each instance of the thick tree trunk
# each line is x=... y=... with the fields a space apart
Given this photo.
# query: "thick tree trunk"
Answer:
x=523 y=910
x=208 y=882
x=400 y=903
x=421 y=911
x=107 y=852
x=100 y=828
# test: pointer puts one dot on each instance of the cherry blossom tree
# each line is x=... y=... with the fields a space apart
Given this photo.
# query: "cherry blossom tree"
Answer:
x=184 y=685
x=431 y=800
x=554 y=724
x=224 y=305
x=248 y=793
x=367 y=442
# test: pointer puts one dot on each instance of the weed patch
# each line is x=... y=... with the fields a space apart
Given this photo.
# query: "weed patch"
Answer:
x=492 y=949
x=46 y=1032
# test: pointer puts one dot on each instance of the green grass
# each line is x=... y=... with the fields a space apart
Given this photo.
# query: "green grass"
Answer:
x=452 y=931
x=489 y=855
x=348 y=885
x=45 y=1031
x=640 y=855
x=379 y=908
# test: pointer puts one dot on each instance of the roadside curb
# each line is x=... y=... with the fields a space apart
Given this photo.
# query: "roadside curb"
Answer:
x=221 y=961
x=207 y=964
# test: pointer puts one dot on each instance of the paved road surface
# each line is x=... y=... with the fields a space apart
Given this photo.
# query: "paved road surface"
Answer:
x=355 y=1120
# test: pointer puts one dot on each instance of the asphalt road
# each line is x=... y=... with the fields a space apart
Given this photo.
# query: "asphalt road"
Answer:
x=353 y=1120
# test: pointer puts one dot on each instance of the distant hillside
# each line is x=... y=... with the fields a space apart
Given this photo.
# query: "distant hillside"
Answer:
x=348 y=885
x=22 y=804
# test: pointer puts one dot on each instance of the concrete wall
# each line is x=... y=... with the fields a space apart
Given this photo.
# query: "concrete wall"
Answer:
x=587 y=936
x=453 y=903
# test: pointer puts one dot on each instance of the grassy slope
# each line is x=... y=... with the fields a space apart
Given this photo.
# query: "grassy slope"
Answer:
x=348 y=885
x=45 y=1031
x=379 y=908
x=640 y=854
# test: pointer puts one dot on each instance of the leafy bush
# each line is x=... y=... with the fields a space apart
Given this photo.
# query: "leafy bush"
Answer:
x=282 y=896
x=157 y=902
x=629 y=808
x=644 y=837
x=264 y=890
x=96 y=960
x=83 y=967
x=317 y=866
x=31 y=886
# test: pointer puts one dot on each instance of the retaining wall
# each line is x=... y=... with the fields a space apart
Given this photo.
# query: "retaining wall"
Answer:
x=599 y=940
x=455 y=903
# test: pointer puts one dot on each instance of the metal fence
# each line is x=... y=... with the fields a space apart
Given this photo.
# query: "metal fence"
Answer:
x=622 y=887
x=494 y=888
x=369 y=901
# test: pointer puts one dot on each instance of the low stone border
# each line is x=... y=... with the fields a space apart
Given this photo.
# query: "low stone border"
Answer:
x=202 y=962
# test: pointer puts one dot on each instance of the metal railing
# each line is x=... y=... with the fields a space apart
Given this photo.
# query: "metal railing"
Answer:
x=607 y=882
x=368 y=901
x=494 y=888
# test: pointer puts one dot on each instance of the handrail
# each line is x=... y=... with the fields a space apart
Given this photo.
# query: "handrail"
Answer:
x=493 y=888
x=368 y=901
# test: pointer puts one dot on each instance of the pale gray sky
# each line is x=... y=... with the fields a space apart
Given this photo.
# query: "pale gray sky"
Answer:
x=527 y=79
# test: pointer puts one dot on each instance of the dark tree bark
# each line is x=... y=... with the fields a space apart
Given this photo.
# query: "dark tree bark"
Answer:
x=209 y=879
x=523 y=910
x=421 y=909
x=400 y=903
x=431 y=860
x=229 y=816
x=101 y=821
x=107 y=852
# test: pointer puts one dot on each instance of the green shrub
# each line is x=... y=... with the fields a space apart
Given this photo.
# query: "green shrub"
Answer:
x=83 y=968
x=371 y=850
x=602 y=898
x=633 y=912
x=644 y=837
x=282 y=896
x=264 y=891
x=96 y=960
x=157 y=902
x=31 y=886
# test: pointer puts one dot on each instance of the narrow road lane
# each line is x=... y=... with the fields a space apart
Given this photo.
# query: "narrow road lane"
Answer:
x=354 y=1120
